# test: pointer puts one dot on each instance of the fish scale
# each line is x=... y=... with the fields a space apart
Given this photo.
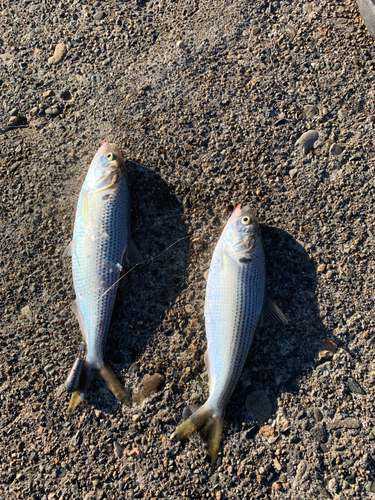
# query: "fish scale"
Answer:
x=235 y=303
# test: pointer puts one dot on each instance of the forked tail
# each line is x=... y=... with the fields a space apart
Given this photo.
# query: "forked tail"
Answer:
x=211 y=426
x=80 y=378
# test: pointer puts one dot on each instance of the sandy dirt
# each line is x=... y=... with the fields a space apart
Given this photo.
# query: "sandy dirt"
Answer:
x=206 y=100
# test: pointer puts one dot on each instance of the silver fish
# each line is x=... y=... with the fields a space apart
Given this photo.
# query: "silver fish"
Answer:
x=101 y=238
x=236 y=302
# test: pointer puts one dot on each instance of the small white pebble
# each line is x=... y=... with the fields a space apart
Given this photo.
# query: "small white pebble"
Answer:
x=179 y=44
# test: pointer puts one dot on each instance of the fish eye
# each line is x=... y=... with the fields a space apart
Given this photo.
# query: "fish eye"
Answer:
x=245 y=220
x=110 y=156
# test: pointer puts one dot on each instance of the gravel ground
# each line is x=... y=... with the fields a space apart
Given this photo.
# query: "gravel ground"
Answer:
x=209 y=102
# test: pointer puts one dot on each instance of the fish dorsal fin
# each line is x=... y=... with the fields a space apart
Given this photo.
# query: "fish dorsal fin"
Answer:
x=69 y=250
x=133 y=255
x=75 y=308
x=272 y=313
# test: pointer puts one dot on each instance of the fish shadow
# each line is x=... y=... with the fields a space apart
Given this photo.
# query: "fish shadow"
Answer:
x=281 y=355
x=148 y=290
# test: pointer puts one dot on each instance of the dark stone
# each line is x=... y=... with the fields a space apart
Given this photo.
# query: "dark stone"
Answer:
x=319 y=433
x=354 y=387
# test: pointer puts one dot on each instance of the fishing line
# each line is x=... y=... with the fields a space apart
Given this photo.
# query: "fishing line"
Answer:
x=144 y=262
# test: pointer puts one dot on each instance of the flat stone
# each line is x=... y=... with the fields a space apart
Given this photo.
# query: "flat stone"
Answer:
x=53 y=111
x=346 y=423
x=318 y=415
x=60 y=52
x=311 y=110
x=319 y=433
x=336 y=149
x=354 y=387
x=150 y=384
x=99 y=15
x=307 y=140
x=118 y=449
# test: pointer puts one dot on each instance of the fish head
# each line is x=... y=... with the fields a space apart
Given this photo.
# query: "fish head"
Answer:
x=106 y=168
x=242 y=234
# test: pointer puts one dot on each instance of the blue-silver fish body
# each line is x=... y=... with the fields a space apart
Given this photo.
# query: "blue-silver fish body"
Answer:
x=235 y=304
x=101 y=238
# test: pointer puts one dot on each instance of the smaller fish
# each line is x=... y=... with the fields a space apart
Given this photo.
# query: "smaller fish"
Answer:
x=236 y=303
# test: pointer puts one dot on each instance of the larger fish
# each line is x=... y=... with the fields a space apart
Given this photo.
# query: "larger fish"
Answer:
x=101 y=238
x=236 y=301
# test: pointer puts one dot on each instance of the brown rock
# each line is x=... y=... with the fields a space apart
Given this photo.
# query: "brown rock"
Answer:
x=150 y=384
x=58 y=56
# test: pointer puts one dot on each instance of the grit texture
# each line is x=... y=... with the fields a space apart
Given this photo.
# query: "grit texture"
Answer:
x=213 y=104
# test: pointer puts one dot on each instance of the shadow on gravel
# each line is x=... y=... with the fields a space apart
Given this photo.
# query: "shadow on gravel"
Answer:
x=280 y=355
x=147 y=291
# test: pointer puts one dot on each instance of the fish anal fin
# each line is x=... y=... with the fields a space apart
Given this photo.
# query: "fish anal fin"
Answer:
x=77 y=311
x=69 y=250
x=272 y=313
x=133 y=255
x=114 y=385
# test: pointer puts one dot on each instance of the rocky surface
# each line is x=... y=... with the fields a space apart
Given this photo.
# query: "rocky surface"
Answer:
x=207 y=101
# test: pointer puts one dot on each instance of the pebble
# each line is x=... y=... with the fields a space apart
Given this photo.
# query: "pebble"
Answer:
x=150 y=384
x=59 y=54
x=319 y=433
x=118 y=450
x=13 y=112
x=13 y=120
x=26 y=311
x=318 y=415
x=96 y=78
x=33 y=7
x=336 y=149
x=76 y=439
x=307 y=140
x=255 y=30
x=346 y=423
x=311 y=110
x=354 y=387
x=99 y=15
x=53 y=111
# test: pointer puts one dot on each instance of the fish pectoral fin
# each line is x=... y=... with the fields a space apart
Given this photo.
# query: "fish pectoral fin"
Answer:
x=272 y=313
x=85 y=207
x=133 y=255
x=207 y=360
x=77 y=311
x=70 y=249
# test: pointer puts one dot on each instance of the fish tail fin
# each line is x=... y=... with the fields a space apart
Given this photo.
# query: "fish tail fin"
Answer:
x=211 y=426
x=78 y=382
x=114 y=385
